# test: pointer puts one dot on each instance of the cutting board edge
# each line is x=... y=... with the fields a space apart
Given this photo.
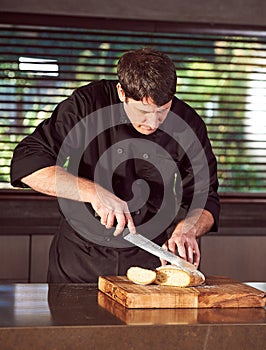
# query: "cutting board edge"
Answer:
x=110 y=289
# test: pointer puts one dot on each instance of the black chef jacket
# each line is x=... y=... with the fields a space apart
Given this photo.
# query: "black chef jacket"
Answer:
x=161 y=176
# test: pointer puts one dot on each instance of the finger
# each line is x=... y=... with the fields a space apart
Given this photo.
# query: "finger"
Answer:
x=165 y=247
x=103 y=218
x=190 y=254
x=182 y=252
x=121 y=222
x=110 y=220
x=196 y=256
x=163 y=262
x=171 y=246
x=130 y=224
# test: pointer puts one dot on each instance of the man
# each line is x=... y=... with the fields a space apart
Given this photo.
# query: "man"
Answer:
x=137 y=158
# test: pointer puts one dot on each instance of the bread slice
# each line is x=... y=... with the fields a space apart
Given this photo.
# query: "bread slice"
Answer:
x=140 y=275
x=170 y=275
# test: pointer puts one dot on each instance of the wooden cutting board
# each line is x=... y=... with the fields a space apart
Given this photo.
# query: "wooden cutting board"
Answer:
x=217 y=292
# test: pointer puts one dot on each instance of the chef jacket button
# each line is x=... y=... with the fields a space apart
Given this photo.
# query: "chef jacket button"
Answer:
x=137 y=212
x=108 y=239
x=119 y=150
x=145 y=155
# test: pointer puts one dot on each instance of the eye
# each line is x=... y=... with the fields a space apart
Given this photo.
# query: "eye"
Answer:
x=163 y=112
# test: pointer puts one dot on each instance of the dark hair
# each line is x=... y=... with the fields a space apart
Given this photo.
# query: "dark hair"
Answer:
x=147 y=73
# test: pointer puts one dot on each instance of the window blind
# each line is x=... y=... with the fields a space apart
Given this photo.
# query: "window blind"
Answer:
x=221 y=76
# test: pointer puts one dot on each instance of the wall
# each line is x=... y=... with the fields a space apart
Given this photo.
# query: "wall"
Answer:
x=237 y=12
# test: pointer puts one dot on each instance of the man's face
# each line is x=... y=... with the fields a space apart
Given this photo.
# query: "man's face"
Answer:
x=144 y=115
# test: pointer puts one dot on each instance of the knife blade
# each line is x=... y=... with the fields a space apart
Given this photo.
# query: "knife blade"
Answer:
x=153 y=248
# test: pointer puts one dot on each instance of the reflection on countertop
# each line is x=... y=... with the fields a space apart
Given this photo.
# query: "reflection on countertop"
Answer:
x=78 y=316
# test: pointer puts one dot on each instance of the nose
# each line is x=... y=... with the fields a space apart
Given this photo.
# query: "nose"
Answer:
x=153 y=120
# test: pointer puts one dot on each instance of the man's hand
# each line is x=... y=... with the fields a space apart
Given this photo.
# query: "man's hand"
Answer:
x=184 y=237
x=185 y=244
x=110 y=208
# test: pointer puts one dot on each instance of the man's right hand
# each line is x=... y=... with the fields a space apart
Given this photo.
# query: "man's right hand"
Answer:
x=110 y=208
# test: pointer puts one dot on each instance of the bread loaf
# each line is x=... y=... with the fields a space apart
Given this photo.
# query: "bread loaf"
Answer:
x=140 y=275
x=170 y=275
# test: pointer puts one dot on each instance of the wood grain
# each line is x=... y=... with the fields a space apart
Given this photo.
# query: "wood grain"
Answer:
x=217 y=292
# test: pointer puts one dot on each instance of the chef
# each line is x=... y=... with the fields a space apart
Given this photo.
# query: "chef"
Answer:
x=122 y=155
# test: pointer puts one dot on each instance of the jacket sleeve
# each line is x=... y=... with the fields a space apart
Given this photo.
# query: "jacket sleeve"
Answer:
x=42 y=147
x=198 y=171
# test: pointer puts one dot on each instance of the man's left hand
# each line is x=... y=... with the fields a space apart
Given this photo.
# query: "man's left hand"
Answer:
x=184 y=237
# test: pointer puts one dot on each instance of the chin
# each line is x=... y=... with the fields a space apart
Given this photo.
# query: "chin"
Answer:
x=148 y=132
x=145 y=131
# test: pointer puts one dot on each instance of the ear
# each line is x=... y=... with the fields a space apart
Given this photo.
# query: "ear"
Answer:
x=121 y=93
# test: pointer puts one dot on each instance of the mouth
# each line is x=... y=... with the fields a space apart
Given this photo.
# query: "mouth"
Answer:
x=146 y=127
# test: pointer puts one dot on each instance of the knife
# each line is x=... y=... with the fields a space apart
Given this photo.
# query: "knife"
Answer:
x=153 y=248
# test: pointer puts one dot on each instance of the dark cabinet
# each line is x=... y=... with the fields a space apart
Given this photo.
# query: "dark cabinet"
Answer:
x=29 y=221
